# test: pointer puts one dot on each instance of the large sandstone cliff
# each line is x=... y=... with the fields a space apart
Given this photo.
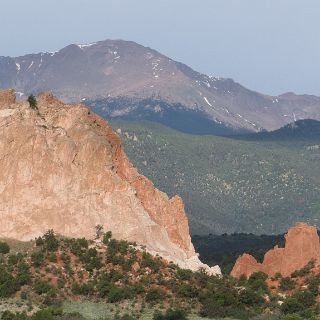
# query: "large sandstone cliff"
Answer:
x=302 y=245
x=63 y=168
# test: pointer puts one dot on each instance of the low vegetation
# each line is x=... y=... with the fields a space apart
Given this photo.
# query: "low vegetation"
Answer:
x=230 y=185
x=116 y=273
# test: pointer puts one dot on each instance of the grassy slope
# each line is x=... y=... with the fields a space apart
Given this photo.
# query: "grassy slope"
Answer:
x=229 y=185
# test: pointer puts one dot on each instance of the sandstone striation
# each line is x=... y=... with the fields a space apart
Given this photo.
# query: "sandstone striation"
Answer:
x=63 y=168
x=301 y=246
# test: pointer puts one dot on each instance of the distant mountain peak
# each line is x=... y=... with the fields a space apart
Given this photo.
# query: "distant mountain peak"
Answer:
x=112 y=69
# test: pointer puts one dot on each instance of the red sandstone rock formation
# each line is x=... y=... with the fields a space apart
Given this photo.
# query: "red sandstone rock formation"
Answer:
x=302 y=245
x=63 y=168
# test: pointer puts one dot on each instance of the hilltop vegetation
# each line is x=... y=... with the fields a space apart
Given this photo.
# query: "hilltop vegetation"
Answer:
x=51 y=275
x=230 y=185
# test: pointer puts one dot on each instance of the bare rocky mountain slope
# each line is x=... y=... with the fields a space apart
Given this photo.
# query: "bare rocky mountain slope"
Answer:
x=63 y=168
x=121 y=79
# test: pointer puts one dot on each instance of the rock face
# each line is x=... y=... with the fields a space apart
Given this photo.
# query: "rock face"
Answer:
x=63 y=168
x=302 y=245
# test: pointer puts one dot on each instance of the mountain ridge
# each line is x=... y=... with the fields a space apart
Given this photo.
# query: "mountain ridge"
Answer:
x=115 y=68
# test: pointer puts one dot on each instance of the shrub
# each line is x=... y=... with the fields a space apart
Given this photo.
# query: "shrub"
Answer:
x=151 y=262
x=106 y=237
x=298 y=303
x=170 y=314
x=277 y=276
x=52 y=257
x=39 y=242
x=32 y=102
x=187 y=291
x=41 y=287
x=105 y=281
x=292 y=317
x=4 y=247
x=257 y=281
x=313 y=285
x=115 y=246
x=82 y=289
x=291 y=305
x=304 y=271
x=287 y=284
x=78 y=246
x=13 y=259
x=154 y=295
x=23 y=274
x=50 y=241
x=44 y=314
x=8 y=285
x=184 y=274
x=250 y=297
x=37 y=258
x=115 y=294
x=98 y=229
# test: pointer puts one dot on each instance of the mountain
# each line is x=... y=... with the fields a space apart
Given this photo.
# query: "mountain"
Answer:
x=307 y=129
x=63 y=168
x=301 y=246
x=122 y=79
x=229 y=184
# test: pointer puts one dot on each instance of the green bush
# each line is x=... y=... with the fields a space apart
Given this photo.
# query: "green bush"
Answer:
x=287 y=284
x=4 y=247
x=39 y=242
x=148 y=261
x=23 y=273
x=78 y=246
x=41 y=287
x=37 y=258
x=155 y=295
x=82 y=289
x=292 y=317
x=115 y=294
x=8 y=285
x=277 y=276
x=304 y=271
x=187 y=291
x=50 y=241
x=184 y=274
x=314 y=284
x=250 y=297
x=106 y=280
x=32 y=102
x=52 y=257
x=291 y=305
x=13 y=259
x=106 y=237
x=170 y=314
x=257 y=281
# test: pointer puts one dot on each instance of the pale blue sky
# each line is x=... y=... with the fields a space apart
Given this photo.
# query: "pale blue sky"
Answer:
x=268 y=45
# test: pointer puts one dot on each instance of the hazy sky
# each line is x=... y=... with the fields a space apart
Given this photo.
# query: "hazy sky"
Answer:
x=268 y=45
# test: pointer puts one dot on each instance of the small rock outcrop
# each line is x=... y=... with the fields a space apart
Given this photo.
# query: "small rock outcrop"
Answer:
x=301 y=246
x=7 y=97
x=63 y=168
